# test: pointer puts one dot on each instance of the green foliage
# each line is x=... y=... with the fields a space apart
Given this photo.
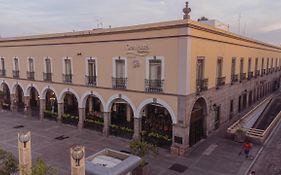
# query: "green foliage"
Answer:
x=41 y=168
x=8 y=163
x=51 y=113
x=142 y=149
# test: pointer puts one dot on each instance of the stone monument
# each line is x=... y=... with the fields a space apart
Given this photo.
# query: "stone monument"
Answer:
x=24 y=147
x=77 y=160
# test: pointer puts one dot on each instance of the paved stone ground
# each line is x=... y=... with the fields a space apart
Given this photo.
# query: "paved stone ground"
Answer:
x=215 y=156
x=269 y=161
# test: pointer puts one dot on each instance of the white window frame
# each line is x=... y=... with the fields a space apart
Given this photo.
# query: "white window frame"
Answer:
x=147 y=66
x=114 y=66
x=63 y=65
x=87 y=68
x=51 y=61
x=14 y=66
x=28 y=68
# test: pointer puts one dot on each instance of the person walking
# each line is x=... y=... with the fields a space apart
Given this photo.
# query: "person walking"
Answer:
x=247 y=146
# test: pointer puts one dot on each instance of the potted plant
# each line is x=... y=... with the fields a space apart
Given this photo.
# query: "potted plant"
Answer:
x=142 y=149
x=240 y=133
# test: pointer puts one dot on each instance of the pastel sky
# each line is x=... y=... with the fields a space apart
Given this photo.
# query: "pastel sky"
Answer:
x=259 y=19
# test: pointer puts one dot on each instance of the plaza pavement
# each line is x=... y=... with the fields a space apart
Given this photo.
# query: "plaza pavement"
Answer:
x=216 y=155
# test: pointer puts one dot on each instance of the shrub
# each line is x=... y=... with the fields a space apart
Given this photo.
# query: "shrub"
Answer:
x=41 y=168
x=8 y=163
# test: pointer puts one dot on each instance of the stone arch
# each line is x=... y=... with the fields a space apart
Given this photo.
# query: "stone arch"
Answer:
x=7 y=83
x=28 y=88
x=14 y=85
x=119 y=96
x=44 y=91
x=67 y=90
x=197 y=120
x=159 y=101
x=82 y=102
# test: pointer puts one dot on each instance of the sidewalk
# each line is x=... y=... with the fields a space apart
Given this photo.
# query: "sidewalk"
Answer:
x=216 y=155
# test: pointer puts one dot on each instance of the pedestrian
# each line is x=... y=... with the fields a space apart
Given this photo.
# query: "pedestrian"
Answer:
x=247 y=146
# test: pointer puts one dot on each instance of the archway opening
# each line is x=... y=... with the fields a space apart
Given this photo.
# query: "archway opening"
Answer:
x=157 y=125
x=197 y=122
x=19 y=99
x=93 y=114
x=71 y=114
x=5 y=97
x=34 y=102
x=51 y=105
x=122 y=121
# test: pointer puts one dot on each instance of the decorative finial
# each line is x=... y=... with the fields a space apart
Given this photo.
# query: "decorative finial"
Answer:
x=186 y=11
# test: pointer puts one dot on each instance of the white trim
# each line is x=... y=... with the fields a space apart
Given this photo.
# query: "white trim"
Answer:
x=7 y=83
x=28 y=87
x=117 y=96
x=44 y=91
x=63 y=64
x=60 y=99
x=33 y=61
x=14 y=66
x=13 y=87
x=44 y=63
x=114 y=66
x=82 y=102
x=162 y=66
x=87 y=68
x=159 y=101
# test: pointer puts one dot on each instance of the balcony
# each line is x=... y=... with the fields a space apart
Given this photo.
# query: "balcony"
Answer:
x=234 y=78
x=201 y=85
x=155 y=86
x=220 y=81
x=91 y=80
x=3 y=73
x=263 y=71
x=242 y=76
x=257 y=73
x=16 y=74
x=119 y=83
x=250 y=75
x=67 y=78
x=47 y=76
x=30 y=75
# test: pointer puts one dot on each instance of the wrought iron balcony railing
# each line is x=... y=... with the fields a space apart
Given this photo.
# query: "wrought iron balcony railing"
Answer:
x=67 y=78
x=250 y=75
x=257 y=73
x=47 y=76
x=91 y=80
x=234 y=78
x=30 y=75
x=3 y=73
x=263 y=72
x=242 y=76
x=119 y=83
x=154 y=85
x=220 y=81
x=201 y=85
x=16 y=74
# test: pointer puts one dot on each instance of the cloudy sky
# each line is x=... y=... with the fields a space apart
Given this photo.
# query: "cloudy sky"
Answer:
x=259 y=19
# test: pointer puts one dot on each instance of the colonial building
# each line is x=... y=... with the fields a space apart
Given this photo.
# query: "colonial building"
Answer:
x=169 y=83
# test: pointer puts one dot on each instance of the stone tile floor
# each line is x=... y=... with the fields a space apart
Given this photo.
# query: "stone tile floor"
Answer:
x=216 y=155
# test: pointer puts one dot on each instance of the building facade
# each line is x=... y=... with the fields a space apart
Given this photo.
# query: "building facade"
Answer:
x=170 y=83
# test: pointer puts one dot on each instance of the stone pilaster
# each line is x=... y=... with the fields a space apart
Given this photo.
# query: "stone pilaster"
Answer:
x=180 y=140
x=24 y=148
x=13 y=102
x=106 y=123
x=42 y=108
x=128 y=113
x=27 y=109
x=60 y=112
x=81 y=118
x=137 y=128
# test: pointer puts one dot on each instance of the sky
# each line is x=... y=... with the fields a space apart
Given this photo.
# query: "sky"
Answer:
x=258 y=19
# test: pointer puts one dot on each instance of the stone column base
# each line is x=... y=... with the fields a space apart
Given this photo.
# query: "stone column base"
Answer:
x=177 y=150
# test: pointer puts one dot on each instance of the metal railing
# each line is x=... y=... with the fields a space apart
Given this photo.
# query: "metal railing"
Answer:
x=250 y=75
x=242 y=76
x=257 y=73
x=30 y=75
x=154 y=85
x=234 y=78
x=91 y=80
x=119 y=83
x=67 y=78
x=220 y=81
x=47 y=76
x=16 y=73
x=3 y=73
x=201 y=85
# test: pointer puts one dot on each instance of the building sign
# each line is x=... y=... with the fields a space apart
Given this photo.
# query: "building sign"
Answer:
x=137 y=50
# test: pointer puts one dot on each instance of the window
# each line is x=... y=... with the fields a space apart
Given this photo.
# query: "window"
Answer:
x=47 y=75
x=16 y=68
x=262 y=67
x=155 y=69
x=200 y=69
x=256 y=67
x=250 y=73
x=242 y=74
x=220 y=79
x=119 y=79
x=91 y=72
x=3 y=71
x=267 y=64
x=201 y=83
x=234 y=77
x=276 y=64
x=67 y=77
x=30 y=73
